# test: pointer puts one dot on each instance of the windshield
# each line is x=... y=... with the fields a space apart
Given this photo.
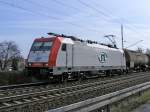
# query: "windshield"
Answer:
x=41 y=46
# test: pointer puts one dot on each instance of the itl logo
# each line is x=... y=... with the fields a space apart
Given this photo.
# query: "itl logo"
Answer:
x=102 y=57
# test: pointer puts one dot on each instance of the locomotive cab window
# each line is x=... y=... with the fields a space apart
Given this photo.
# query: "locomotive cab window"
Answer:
x=41 y=46
x=63 y=48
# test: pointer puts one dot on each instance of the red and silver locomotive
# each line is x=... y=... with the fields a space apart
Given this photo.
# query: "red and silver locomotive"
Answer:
x=69 y=57
x=64 y=57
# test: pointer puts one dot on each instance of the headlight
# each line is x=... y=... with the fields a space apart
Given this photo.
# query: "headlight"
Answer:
x=29 y=64
x=46 y=64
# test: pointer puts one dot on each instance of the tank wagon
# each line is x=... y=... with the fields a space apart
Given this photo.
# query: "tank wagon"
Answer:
x=65 y=57
x=136 y=60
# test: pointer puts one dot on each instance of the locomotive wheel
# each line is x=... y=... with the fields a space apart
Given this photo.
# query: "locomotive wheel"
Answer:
x=124 y=72
x=80 y=78
x=64 y=78
x=108 y=73
x=61 y=78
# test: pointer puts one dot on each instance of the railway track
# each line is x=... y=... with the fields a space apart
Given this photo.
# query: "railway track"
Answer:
x=52 y=98
x=12 y=90
x=22 y=85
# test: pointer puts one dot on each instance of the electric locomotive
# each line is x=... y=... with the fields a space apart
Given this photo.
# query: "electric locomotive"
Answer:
x=66 y=57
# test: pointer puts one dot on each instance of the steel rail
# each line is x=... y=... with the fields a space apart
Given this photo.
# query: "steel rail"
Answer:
x=36 y=87
x=57 y=97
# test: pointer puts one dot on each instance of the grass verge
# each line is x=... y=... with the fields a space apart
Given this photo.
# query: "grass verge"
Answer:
x=131 y=103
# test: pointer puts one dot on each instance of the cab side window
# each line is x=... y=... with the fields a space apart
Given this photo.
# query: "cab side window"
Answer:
x=63 y=48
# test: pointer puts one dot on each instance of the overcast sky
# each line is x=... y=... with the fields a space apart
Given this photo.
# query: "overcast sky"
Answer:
x=24 y=20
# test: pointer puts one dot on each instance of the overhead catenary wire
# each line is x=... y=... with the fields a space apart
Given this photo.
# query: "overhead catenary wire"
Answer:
x=109 y=15
x=134 y=44
x=93 y=8
x=85 y=4
x=42 y=14
x=48 y=16
x=41 y=6
x=75 y=8
x=77 y=25
x=59 y=19
x=63 y=4
x=25 y=9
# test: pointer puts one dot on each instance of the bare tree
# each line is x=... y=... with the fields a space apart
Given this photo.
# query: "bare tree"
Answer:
x=8 y=51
